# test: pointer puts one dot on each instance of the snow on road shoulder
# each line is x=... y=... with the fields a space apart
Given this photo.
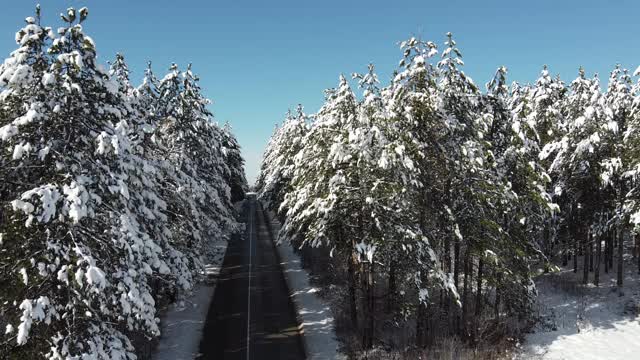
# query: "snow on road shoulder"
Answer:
x=313 y=313
x=585 y=322
x=182 y=325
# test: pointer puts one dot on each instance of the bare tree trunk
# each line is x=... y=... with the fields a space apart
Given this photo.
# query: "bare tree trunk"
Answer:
x=596 y=274
x=421 y=325
x=456 y=278
x=421 y=319
x=585 y=259
x=565 y=245
x=547 y=239
x=393 y=287
x=496 y=304
x=612 y=238
x=590 y=244
x=478 y=311
x=635 y=238
x=465 y=294
x=605 y=254
x=352 y=289
x=620 y=254
x=368 y=305
x=575 y=253
x=372 y=304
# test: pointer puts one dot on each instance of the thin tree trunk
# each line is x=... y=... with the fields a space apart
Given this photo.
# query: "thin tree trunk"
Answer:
x=605 y=254
x=393 y=287
x=590 y=244
x=575 y=253
x=368 y=299
x=612 y=239
x=496 y=304
x=585 y=259
x=456 y=263
x=596 y=274
x=635 y=238
x=546 y=235
x=372 y=304
x=465 y=294
x=456 y=279
x=421 y=319
x=352 y=290
x=478 y=311
x=620 y=255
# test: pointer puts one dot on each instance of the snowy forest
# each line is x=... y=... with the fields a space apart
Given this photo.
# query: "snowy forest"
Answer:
x=110 y=195
x=428 y=204
x=434 y=217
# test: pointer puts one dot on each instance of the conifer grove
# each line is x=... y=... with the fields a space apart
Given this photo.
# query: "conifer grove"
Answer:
x=432 y=202
x=110 y=195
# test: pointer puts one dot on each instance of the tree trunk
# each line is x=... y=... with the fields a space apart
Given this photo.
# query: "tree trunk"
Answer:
x=620 y=254
x=393 y=288
x=456 y=263
x=591 y=251
x=465 y=294
x=565 y=245
x=421 y=325
x=421 y=319
x=546 y=247
x=368 y=305
x=478 y=309
x=372 y=304
x=605 y=254
x=575 y=253
x=496 y=304
x=585 y=259
x=612 y=238
x=596 y=274
x=635 y=237
x=352 y=289
x=456 y=279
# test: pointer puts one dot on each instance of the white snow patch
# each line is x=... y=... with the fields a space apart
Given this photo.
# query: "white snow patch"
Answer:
x=586 y=322
x=314 y=314
x=182 y=325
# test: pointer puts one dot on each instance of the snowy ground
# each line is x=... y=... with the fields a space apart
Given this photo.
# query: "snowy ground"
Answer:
x=586 y=322
x=313 y=313
x=183 y=323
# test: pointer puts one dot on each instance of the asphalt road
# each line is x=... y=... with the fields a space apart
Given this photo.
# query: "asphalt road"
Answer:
x=251 y=315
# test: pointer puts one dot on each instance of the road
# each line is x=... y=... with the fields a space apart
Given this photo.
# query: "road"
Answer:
x=251 y=315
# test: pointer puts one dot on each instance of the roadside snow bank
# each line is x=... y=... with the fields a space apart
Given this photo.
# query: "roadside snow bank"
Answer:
x=313 y=313
x=182 y=325
x=586 y=322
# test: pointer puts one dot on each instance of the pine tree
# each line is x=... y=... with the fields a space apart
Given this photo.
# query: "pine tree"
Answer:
x=277 y=167
x=74 y=211
x=619 y=114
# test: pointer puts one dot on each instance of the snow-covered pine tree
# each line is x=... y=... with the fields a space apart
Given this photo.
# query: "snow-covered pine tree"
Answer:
x=386 y=178
x=616 y=162
x=92 y=243
x=515 y=204
x=276 y=169
x=415 y=106
x=235 y=177
x=538 y=120
x=192 y=166
x=576 y=165
x=78 y=254
x=632 y=141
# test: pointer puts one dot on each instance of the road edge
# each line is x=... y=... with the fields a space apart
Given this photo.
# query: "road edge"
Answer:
x=316 y=344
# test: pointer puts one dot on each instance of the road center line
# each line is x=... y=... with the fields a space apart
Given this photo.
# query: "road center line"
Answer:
x=251 y=230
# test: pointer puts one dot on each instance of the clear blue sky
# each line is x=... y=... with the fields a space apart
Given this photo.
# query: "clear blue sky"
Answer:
x=259 y=58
